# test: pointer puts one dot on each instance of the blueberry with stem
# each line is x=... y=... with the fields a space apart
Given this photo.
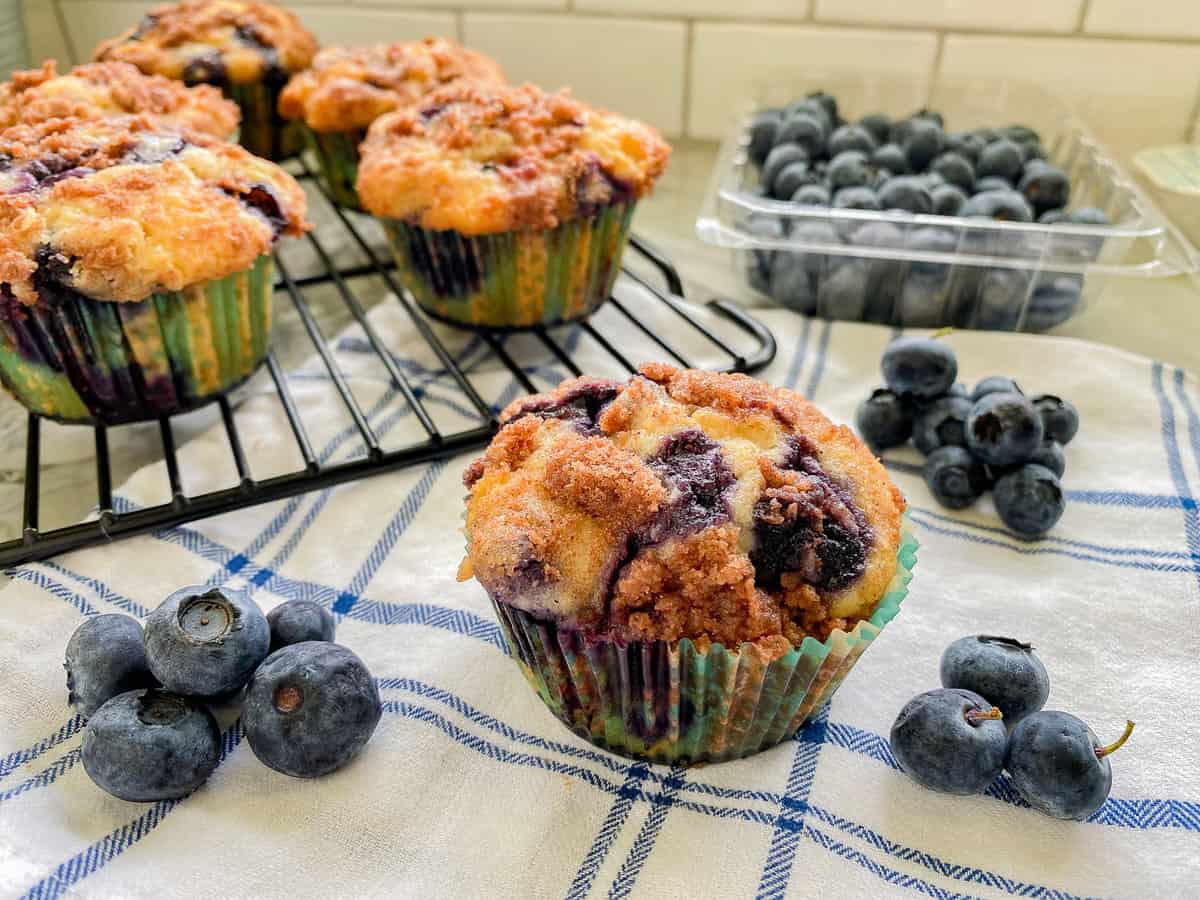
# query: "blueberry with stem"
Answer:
x=1004 y=670
x=1059 y=766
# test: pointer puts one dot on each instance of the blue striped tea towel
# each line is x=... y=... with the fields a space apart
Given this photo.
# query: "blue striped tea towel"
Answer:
x=471 y=789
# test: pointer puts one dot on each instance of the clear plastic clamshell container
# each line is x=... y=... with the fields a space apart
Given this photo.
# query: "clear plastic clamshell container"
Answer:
x=928 y=270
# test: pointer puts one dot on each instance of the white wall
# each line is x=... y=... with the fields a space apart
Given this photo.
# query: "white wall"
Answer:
x=1132 y=67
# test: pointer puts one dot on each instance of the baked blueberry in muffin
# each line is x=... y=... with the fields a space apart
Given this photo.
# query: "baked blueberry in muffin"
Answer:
x=683 y=527
x=507 y=207
x=135 y=268
x=348 y=88
x=246 y=48
x=112 y=89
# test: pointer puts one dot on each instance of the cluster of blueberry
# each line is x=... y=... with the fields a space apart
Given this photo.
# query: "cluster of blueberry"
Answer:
x=988 y=717
x=808 y=155
x=309 y=705
x=993 y=437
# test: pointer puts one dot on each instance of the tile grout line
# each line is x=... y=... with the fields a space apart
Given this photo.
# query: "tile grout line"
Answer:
x=685 y=110
x=1084 y=9
x=61 y=22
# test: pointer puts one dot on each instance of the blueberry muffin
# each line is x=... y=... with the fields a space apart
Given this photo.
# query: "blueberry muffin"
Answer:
x=113 y=89
x=247 y=49
x=348 y=88
x=507 y=207
x=135 y=266
x=687 y=564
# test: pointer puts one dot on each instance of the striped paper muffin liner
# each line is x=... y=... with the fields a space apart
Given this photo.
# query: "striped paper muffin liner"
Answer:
x=671 y=702
x=74 y=359
x=263 y=131
x=515 y=280
x=337 y=156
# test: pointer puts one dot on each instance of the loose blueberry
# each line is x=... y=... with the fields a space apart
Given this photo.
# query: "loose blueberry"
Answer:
x=1001 y=157
x=849 y=169
x=1003 y=429
x=148 y=745
x=1007 y=672
x=780 y=157
x=812 y=195
x=890 y=157
x=884 y=420
x=948 y=200
x=1029 y=499
x=297 y=621
x=1051 y=455
x=956 y=169
x=920 y=367
x=942 y=423
x=954 y=477
x=764 y=134
x=1059 y=766
x=949 y=740
x=310 y=708
x=878 y=124
x=906 y=192
x=1045 y=188
x=205 y=642
x=805 y=130
x=105 y=657
x=1060 y=418
x=995 y=384
x=923 y=143
x=851 y=137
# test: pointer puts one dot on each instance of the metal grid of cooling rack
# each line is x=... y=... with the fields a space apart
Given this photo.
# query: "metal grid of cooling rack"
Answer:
x=36 y=543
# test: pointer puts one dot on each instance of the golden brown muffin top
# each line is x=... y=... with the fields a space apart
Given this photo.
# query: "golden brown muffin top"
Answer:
x=348 y=88
x=111 y=89
x=682 y=504
x=485 y=159
x=119 y=208
x=215 y=42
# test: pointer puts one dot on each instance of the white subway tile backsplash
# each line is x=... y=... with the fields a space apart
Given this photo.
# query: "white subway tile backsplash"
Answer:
x=43 y=37
x=1133 y=93
x=711 y=9
x=1144 y=18
x=977 y=15
x=89 y=23
x=728 y=61
x=633 y=66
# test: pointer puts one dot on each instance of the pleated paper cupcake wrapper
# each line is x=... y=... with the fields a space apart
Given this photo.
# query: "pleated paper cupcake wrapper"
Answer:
x=337 y=155
x=516 y=280
x=79 y=360
x=263 y=131
x=672 y=702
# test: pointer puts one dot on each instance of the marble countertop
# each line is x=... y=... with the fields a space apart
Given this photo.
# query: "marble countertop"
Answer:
x=1150 y=317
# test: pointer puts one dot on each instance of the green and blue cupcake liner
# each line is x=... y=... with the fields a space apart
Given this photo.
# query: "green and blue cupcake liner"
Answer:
x=75 y=359
x=337 y=156
x=263 y=131
x=672 y=702
x=516 y=280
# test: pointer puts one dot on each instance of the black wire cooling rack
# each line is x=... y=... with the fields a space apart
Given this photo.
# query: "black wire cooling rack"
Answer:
x=109 y=524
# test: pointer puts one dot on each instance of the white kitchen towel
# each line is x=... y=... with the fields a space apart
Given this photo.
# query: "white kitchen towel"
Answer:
x=471 y=789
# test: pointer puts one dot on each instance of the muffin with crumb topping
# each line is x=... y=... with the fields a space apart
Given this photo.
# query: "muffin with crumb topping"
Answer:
x=135 y=265
x=246 y=48
x=507 y=207
x=97 y=90
x=348 y=88
x=686 y=564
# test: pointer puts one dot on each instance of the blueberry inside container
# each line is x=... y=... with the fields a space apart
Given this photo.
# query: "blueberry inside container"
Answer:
x=919 y=270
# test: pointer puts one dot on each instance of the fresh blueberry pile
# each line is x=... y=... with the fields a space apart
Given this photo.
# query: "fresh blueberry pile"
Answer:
x=987 y=717
x=310 y=705
x=808 y=155
x=992 y=437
